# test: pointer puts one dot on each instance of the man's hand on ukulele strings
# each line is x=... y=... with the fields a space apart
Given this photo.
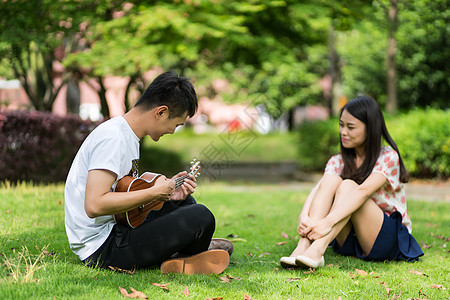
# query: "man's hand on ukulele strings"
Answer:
x=186 y=187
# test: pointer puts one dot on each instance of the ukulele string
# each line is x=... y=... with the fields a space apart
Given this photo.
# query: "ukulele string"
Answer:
x=180 y=180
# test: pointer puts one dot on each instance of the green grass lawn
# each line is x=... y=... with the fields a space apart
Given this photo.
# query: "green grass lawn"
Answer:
x=36 y=262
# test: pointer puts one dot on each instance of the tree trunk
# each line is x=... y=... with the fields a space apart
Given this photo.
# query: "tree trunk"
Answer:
x=102 y=95
x=73 y=95
x=127 y=91
x=34 y=69
x=391 y=84
x=335 y=73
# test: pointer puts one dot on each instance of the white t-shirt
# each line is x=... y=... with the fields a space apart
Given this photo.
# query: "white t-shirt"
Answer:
x=391 y=196
x=111 y=146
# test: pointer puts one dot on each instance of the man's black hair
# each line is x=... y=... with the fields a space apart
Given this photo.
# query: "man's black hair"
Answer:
x=174 y=91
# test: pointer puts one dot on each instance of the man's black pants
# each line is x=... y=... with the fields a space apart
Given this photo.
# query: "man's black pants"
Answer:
x=179 y=226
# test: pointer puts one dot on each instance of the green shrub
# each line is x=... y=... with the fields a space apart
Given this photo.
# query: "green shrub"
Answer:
x=37 y=146
x=423 y=137
x=318 y=141
x=158 y=160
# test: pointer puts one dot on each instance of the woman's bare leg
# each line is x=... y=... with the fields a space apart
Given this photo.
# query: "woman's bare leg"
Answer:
x=302 y=246
x=320 y=207
x=366 y=220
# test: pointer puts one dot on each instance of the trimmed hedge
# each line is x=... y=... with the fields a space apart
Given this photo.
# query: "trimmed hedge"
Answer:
x=318 y=141
x=39 y=147
x=423 y=137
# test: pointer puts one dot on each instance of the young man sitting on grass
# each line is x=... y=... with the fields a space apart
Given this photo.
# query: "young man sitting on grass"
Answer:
x=178 y=236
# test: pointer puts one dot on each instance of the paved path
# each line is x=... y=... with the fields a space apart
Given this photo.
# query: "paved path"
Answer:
x=415 y=190
x=286 y=175
x=430 y=191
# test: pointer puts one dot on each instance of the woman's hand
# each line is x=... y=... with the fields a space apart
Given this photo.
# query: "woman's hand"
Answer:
x=319 y=229
x=304 y=222
x=187 y=187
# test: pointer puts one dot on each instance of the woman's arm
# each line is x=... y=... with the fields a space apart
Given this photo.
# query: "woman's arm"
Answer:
x=353 y=200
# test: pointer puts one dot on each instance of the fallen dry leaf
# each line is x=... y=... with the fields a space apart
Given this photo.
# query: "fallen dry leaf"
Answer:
x=215 y=298
x=395 y=296
x=438 y=286
x=186 y=292
x=361 y=272
x=417 y=273
x=228 y=278
x=46 y=253
x=425 y=246
x=388 y=290
x=440 y=237
x=281 y=243
x=162 y=285
x=134 y=293
x=293 y=279
x=131 y=272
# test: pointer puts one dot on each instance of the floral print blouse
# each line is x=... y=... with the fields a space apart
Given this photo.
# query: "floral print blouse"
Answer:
x=391 y=196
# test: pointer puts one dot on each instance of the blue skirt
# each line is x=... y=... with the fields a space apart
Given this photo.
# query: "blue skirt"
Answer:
x=393 y=242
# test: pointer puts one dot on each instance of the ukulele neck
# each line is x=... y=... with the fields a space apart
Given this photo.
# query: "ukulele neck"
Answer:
x=179 y=181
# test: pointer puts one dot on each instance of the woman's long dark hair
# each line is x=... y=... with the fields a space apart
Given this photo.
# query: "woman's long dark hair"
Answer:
x=367 y=111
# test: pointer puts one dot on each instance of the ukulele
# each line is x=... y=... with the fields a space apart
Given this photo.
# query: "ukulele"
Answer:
x=136 y=216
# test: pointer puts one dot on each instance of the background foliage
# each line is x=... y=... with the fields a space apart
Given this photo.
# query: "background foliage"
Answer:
x=273 y=52
x=39 y=147
x=423 y=138
x=422 y=49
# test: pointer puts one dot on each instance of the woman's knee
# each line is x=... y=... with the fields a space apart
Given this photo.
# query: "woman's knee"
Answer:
x=346 y=186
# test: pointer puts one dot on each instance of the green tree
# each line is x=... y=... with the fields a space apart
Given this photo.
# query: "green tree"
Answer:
x=424 y=54
x=421 y=58
x=28 y=38
x=161 y=34
x=269 y=50
x=31 y=31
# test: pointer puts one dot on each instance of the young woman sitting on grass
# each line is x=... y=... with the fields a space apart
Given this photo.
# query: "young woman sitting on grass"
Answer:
x=359 y=205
